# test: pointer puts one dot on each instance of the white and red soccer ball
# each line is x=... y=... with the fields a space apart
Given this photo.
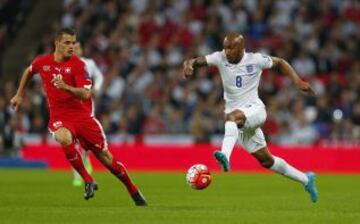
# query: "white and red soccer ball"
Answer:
x=198 y=176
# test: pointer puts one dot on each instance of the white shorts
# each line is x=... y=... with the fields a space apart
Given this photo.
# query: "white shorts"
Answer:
x=252 y=140
x=251 y=137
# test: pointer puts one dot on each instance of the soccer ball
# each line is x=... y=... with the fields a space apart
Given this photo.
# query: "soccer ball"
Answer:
x=198 y=176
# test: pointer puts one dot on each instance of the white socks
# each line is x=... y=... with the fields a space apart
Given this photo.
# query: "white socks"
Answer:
x=230 y=138
x=282 y=167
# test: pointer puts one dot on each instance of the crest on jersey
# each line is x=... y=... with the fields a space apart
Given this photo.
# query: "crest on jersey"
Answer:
x=67 y=70
x=249 y=68
x=46 y=68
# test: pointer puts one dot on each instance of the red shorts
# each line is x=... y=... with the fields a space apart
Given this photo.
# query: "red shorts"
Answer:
x=87 y=131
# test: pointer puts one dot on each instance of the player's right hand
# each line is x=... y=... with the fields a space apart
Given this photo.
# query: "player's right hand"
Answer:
x=59 y=83
x=188 y=72
x=188 y=69
x=15 y=102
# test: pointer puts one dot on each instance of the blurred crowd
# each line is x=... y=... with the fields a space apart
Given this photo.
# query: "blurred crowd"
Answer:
x=12 y=17
x=140 y=46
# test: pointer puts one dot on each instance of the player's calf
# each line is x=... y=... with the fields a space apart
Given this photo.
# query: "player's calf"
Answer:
x=264 y=157
x=120 y=172
x=74 y=157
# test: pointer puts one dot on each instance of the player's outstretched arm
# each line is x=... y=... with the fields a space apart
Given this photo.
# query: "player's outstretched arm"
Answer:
x=290 y=72
x=191 y=64
x=16 y=101
x=79 y=92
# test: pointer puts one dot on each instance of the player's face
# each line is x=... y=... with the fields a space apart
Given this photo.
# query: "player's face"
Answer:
x=66 y=44
x=234 y=49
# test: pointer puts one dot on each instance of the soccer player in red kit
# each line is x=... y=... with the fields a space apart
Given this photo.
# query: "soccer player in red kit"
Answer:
x=68 y=87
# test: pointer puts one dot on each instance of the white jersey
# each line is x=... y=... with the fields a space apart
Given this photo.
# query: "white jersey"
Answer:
x=240 y=81
x=94 y=73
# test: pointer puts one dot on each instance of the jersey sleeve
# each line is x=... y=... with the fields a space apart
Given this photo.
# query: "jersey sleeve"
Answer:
x=264 y=61
x=35 y=66
x=82 y=79
x=213 y=59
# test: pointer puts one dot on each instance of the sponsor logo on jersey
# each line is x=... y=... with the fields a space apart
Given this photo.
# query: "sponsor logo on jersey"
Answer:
x=57 y=69
x=46 y=68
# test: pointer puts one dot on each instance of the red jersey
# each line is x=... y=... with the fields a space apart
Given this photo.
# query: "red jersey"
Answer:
x=61 y=103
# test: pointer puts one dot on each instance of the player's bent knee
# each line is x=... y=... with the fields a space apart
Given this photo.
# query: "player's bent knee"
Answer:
x=267 y=163
x=240 y=123
x=236 y=115
x=64 y=141
x=64 y=137
x=240 y=118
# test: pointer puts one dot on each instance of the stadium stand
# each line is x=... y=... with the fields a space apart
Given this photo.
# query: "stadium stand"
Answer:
x=140 y=46
x=13 y=15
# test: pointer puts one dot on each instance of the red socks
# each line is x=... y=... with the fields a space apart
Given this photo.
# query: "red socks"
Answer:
x=74 y=157
x=118 y=169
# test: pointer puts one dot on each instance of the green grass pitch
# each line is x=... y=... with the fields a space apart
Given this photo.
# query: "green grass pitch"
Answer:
x=40 y=196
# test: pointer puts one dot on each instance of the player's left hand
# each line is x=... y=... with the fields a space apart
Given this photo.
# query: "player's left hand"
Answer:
x=188 y=72
x=305 y=87
x=59 y=83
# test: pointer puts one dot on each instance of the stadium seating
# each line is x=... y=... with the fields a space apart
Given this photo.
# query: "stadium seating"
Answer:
x=140 y=49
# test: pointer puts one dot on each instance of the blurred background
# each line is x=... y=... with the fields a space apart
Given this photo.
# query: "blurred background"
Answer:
x=140 y=45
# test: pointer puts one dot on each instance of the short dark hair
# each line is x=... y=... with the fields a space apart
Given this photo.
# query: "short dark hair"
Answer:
x=63 y=31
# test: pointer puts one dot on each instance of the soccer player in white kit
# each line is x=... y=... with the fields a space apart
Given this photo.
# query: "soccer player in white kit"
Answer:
x=244 y=111
x=97 y=77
